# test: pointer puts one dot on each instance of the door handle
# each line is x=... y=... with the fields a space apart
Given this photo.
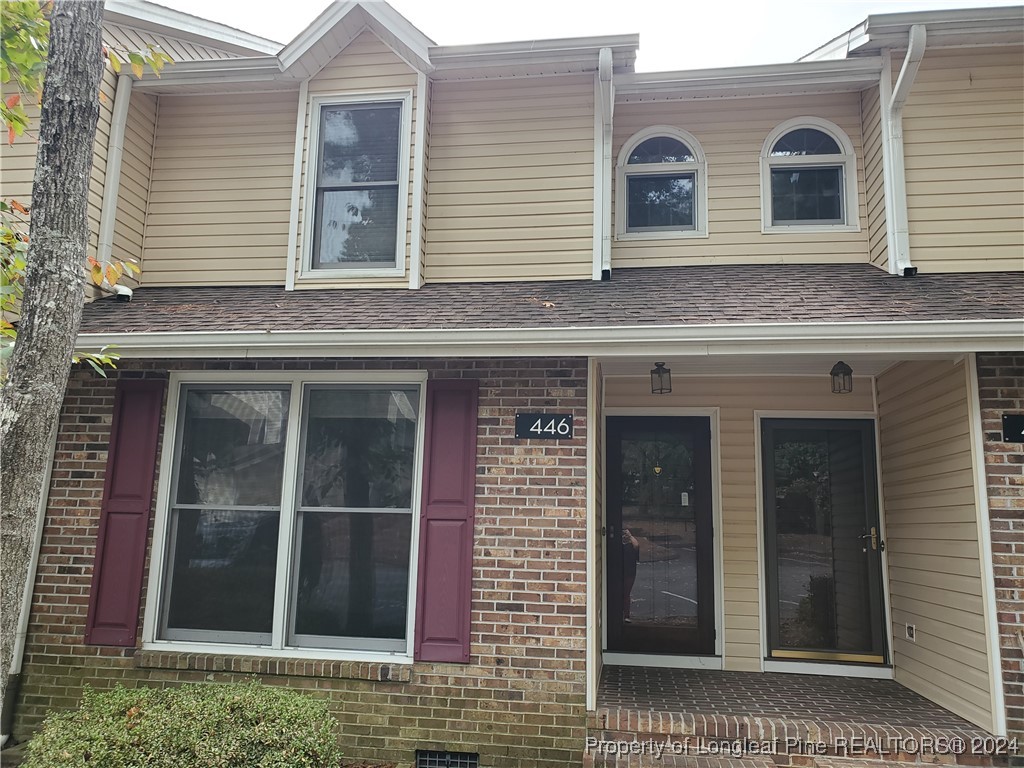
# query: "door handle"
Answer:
x=877 y=544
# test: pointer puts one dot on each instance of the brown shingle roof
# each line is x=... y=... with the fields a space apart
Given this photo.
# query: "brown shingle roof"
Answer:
x=650 y=296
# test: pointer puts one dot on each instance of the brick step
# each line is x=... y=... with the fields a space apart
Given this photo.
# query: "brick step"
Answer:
x=673 y=761
x=755 y=741
x=651 y=759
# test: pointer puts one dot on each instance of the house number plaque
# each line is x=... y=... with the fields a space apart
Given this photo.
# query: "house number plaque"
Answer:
x=544 y=426
x=1013 y=427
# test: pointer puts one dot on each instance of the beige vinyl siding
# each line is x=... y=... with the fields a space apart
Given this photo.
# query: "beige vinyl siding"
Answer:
x=366 y=65
x=932 y=536
x=136 y=171
x=221 y=190
x=737 y=398
x=874 y=177
x=123 y=39
x=964 y=146
x=18 y=161
x=511 y=180
x=732 y=133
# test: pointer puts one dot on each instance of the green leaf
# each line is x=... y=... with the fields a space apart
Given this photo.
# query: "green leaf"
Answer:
x=115 y=62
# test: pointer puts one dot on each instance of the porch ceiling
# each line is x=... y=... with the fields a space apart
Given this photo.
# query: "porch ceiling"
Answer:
x=761 y=365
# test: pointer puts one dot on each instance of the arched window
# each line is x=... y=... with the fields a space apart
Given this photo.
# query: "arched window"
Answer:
x=662 y=185
x=808 y=177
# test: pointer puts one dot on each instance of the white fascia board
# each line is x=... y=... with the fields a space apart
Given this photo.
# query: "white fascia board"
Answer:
x=157 y=18
x=309 y=37
x=416 y=44
x=217 y=72
x=639 y=341
x=772 y=78
x=840 y=45
x=524 y=52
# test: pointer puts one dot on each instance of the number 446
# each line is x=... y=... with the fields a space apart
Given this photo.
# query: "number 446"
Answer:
x=560 y=427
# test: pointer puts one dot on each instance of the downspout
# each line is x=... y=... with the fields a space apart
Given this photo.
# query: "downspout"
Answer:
x=603 y=180
x=112 y=177
x=893 y=99
x=14 y=676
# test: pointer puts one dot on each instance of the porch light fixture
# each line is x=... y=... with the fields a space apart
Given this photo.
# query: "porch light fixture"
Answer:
x=842 y=378
x=661 y=379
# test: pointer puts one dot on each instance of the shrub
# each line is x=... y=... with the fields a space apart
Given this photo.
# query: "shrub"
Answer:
x=195 y=726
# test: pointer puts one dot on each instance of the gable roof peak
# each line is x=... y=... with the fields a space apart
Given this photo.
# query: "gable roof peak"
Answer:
x=341 y=22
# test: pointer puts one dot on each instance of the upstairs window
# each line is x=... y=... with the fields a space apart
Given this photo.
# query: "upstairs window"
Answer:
x=808 y=177
x=355 y=198
x=662 y=189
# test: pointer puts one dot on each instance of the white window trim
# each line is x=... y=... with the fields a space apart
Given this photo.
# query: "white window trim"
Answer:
x=699 y=168
x=847 y=160
x=316 y=103
x=278 y=647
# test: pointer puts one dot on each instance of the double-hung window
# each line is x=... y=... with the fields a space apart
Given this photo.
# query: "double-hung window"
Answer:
x=289 y=517
x=662 y=186
x=357 y=186
x=808 y=178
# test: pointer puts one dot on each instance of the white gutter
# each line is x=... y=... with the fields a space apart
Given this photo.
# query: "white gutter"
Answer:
x=18 y=655
x=604 y=106
x=419 y=180
x=631 y=341
x=112 y=176
x=292 y=260
x=893 y=99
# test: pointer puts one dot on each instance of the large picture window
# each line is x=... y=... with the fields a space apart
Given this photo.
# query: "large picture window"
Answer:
x=290 y=516
x=358 y=157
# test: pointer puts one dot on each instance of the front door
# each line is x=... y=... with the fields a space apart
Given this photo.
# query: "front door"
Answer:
x=822 y=541
x=659 y=535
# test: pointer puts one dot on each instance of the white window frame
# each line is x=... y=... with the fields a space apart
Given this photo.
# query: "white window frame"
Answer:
x=847 y=161
x=700 y=187
x=162 y=541
x=316 y=104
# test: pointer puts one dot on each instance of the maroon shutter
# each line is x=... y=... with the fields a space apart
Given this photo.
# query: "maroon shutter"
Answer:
x=124 y=517
x=446 y=522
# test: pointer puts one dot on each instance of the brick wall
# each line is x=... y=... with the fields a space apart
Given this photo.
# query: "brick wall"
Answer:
x=519 y=702
x=1001 y=390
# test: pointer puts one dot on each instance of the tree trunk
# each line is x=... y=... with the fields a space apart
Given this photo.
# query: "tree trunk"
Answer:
x=51 y=310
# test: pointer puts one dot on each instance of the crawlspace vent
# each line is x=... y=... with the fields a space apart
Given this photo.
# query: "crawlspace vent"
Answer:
x=433 y=759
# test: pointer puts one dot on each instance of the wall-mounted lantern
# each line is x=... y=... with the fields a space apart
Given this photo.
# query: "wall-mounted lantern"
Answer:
x=842 y=378
x=661 y=379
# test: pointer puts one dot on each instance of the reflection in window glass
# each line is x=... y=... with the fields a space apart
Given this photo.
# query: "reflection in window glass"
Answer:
x=805 y=141
x=356 y=215
x=812 y=195
x=223 y=571
x=359 y=448
x=353 y=574
x=232 y=447
x=660 y=202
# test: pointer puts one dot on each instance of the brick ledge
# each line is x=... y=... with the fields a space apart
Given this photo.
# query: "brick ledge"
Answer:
x=272 y=665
